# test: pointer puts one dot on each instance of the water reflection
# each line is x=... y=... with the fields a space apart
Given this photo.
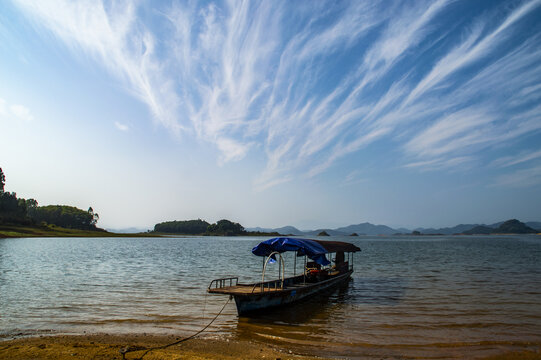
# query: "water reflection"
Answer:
x=377 y=291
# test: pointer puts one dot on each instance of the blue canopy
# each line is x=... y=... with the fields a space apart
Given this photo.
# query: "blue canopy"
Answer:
x=314 y=249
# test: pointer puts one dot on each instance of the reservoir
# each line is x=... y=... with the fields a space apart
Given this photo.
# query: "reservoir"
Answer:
x=424 y=297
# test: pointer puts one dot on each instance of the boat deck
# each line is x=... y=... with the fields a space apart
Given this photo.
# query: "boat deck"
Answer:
x=230 y=286
x=245 y=289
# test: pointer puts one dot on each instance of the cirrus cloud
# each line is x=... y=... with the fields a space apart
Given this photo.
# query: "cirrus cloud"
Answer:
x=310 y=84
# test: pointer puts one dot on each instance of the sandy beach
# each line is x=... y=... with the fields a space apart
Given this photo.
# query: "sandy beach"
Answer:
x=106 y=346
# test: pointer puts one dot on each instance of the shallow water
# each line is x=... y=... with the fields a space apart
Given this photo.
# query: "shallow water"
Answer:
x=427 y=297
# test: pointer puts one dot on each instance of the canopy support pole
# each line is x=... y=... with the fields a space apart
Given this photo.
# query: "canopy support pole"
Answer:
x=295 y=265
x=304 y=280
x=282 y=266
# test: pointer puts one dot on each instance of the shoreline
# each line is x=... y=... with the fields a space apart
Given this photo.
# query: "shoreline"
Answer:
x=108 y=346
x=51 y=231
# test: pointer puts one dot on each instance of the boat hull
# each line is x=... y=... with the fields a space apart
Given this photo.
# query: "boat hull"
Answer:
x=256 y=302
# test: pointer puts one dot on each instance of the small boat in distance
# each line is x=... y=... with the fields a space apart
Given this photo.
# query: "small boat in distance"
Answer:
x=319 y=273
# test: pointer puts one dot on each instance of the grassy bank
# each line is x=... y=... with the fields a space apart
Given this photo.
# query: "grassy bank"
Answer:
x=14 y=231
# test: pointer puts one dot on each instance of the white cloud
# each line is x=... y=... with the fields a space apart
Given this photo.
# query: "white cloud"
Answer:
x=451 y=133
x=472 y=49
x=15 y=111
x=354 y=177
x=441 y=163
x=121 y=127
x=112 y=35
x=21 y=112
x=521 y=178
x=518 y=159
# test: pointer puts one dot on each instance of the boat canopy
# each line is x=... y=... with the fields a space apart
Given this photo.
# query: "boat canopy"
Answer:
x=314 y=249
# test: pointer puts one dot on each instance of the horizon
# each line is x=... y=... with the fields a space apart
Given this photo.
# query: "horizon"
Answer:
x=250 y=228
x=315 y=115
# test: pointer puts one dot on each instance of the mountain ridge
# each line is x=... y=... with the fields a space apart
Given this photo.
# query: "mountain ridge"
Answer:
x=367 y=228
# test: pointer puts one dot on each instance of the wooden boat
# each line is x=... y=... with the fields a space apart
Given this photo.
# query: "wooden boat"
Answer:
x=319 y=274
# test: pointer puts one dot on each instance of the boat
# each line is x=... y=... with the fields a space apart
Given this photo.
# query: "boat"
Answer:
x=319 y=274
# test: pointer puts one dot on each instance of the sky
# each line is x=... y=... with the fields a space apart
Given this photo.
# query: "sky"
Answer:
x=316 y=114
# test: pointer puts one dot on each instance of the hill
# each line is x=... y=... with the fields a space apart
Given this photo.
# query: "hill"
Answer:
x=512 y=226
x=285 y=230
x=458 y=229
x=368 y=229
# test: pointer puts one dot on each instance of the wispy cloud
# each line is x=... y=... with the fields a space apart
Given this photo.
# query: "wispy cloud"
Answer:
x=441 y=163
x=121 y=127
x=451 y=133
x=517 y=159
x=113 y=37
x=527 y=177
x=311 y=84
x=354 y=177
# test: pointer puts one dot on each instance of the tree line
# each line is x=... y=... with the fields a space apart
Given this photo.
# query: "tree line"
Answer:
x=201 y=227
x=26 y=212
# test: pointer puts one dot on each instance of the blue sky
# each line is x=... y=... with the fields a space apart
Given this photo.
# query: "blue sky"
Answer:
x=273 y=113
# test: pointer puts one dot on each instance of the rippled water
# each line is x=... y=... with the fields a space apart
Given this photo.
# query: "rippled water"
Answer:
x=437 y=297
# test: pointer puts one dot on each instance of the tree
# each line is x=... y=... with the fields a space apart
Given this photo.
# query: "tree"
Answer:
x=65 y=216
x=12 y=210
x=2 y=181
x=225 y=227
x=94 y=217
x=188 y=227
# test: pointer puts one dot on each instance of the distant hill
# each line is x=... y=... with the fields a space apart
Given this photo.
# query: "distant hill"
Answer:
x=479 y=230
x=368 y=229
x=512 y=226
x=330 y=232
x=285 y=230
x=515 y=227
x=534 y=225
x=458 y=229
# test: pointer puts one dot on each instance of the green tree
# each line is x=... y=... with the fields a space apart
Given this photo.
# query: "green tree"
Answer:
x=65 y=216
x=94 y=217
x=2 y=181
x=12 y=210
x=225 y=228
x=185 y=227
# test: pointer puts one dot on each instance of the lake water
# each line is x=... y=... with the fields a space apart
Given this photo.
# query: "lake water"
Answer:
x=424 y=297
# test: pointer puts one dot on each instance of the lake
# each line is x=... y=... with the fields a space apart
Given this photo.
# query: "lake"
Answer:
x=437 y=297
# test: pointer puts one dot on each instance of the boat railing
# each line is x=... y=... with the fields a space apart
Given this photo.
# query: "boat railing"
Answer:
x=223 y=282
x=271 y=258
x=268 y=285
